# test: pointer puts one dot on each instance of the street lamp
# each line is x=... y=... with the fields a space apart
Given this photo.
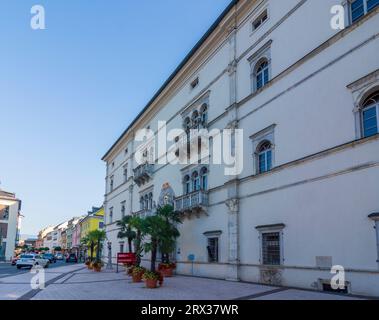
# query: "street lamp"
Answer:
x=109 y=264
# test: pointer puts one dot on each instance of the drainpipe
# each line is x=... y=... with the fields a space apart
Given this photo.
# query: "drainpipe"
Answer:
x=375 y=218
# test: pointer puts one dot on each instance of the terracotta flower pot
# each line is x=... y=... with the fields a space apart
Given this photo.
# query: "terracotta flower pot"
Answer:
x=97 y=269
x=90 y=267
x=167 y=272
x=151 y=283
x=137 y=277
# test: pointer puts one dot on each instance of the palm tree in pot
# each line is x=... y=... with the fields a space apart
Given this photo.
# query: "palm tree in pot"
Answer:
x=168 y=241
x=97 y=237
x=126 y=231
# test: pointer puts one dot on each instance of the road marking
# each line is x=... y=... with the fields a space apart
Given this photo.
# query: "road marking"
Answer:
x=32 y=293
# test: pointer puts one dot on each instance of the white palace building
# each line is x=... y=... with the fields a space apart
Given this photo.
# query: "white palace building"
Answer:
x=305 y=94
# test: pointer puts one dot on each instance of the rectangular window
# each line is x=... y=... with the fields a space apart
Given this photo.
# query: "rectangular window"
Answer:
x=357 y=10
x=265 y=161
x=370 y=122
x=195 y=83
x=3 y=230
x=260 y=20
x=271 y=248
x=361 y=7
x=125 y=173
x=112 y=183
x=3 y=247
x=4 y=212
x=121 y=248
x=110 y=215
x=212 y=249
x=123 y=209
x=372 y=4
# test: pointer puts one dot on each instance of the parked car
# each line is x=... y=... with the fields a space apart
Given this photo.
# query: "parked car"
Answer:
x=72 y=258
x=31 y=260
x=59 y=256
x=14 y=260
x=50 y=257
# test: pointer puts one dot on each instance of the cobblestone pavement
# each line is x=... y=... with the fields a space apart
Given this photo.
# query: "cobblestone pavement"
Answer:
x=75 y=282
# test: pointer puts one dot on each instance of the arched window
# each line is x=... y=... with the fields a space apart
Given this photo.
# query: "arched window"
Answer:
x=261 y=74
x=187 y=184
x=146 y=202
x=195 y=119
x=150 y=200
x=370 y=115
x=195 y=181
x=204 y=178
x=141 y=201
x=187 y=123
x=204 y=113
x=264 y=153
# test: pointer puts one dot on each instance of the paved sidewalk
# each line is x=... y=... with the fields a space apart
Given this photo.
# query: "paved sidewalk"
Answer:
x=75 y=282
x=16 y=286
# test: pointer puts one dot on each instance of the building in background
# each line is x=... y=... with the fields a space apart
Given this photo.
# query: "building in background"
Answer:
x=77 y=246
x=48 y=239
x=30 y=242
x=63 y=241
x=306 y=97
x=57 y=235
x=93 y=221
x=10 y=219
x=45 y=238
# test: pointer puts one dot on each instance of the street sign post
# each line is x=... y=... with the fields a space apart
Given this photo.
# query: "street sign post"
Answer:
x=126 y=258
x=191 y=258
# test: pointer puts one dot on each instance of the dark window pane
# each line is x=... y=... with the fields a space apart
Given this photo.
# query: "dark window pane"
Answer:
x=369 y=113
x=257 y=24
x=357 y=10
x=271 y=248
x=370 y=132
x=213 y=249
x=3 y=230
x=262 y=163
x=371 y=4
x=4 y=212
x=265 y=76
x=370 y=122
x=259 y=81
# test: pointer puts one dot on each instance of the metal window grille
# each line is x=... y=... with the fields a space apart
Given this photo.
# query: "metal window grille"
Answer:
x=212 y=249
x=271 y=248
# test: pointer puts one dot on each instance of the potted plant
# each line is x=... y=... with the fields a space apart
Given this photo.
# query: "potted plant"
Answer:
x=97 y=266
x=126 y=231
x=167 y=242
x=166 y=269
x=129 y=270
x=88 y=263
x=137 y=273
x=152 y=278
x=89 y=242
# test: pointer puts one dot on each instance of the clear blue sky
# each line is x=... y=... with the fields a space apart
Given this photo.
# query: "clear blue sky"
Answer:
x=67 y=92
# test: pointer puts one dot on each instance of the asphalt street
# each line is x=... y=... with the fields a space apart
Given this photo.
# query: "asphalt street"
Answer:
x=6 y=269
